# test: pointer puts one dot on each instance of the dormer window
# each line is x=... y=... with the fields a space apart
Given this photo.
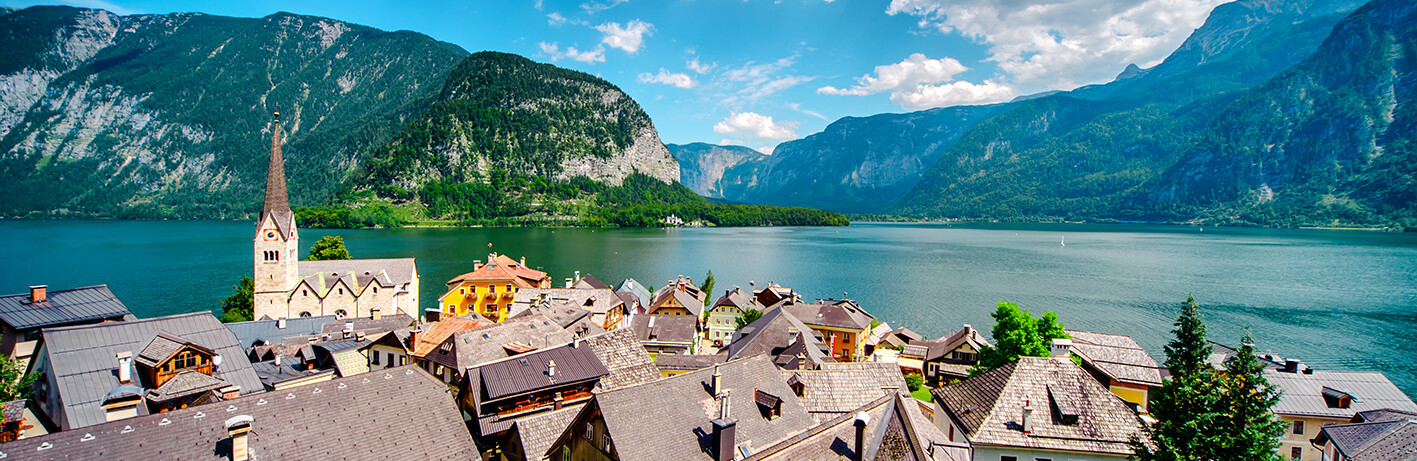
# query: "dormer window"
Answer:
x=770 y=405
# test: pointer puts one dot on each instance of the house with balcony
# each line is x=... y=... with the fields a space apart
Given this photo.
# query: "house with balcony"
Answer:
x=1313 y=399
x=843 y=324
x=725 y=312
x=678 y=297
x=944 y=360
x=490 y=288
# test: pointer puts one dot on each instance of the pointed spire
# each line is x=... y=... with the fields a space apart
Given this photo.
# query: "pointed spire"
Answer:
x=277 y=203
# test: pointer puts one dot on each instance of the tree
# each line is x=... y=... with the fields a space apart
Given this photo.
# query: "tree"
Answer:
x=329 y=247
x=749 y=316
x=1251 y=431
x=15 y=384
x=708 y=288
x=1016 y=334
x=239 y=307
x=1187 y=406
x=914 y=382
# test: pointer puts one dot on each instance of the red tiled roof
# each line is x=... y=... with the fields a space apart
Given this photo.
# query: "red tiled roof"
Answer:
x=442 y=330
x=501 y=268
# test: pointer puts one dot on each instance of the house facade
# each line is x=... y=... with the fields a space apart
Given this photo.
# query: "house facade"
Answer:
x=724 y=314
x=1312 y=399
x=679 y=297
x=490 y=289
x=843 y=325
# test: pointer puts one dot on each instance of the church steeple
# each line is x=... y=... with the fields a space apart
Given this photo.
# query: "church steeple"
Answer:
x=276 y=200
x=276 y=258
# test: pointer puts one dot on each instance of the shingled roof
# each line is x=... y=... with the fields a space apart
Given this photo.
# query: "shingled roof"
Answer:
x=363 y=417
x=470 y=348
x=1117 y=356
x=896 y=430
x=780 y=335
x=81 y=365
x=62 y=307
x=1373 y=441
x=843 y=313
x=838 y=388
x=1304 y=393
x=500 y=268
x=269 y=331
x=633 y=287
x=988 y=407
x=670 y=418
x=665 y=328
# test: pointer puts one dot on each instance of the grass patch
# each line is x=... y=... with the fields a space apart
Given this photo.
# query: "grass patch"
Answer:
x=923 y=394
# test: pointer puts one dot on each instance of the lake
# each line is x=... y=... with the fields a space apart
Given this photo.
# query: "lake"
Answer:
x=1339 y=300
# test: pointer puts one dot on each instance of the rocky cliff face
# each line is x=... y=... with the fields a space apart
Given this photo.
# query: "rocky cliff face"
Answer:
x=168 y=115
x=718 y=171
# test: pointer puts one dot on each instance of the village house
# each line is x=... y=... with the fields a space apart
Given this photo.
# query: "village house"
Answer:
x=431 y=346
x=944 y=360
x=108 y=371
x=835 y=389
x=1119 y=363
x=892 y=427
x=391 y=349
x=724 y=314
x=790 y=343
x=1312 y=399
x=897 y=338
x=490 y=289
x=1037 y=408
x=517 y=402
x=844 y=325
x=1370 y=435
x=286 y=287
x=574 y=319
x=451 y=357
x=773 y=293
x=666 y=334
x=356 y=418
x=22 y=316
x=641 y=294
x=607 y=309
x=679 y=297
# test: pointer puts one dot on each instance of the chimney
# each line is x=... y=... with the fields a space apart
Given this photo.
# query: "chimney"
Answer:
x=558 y=401
x=280 y=323
x=1292 y=366
x=723 y=429
x=230 y=392
x=551 y=368
x=1027 y=417
x=1062 y=349
x=476 y=264
x=238 y=427
x=432 y=314
x=376 y=314
x=348 y=329
x=862 y=419
x=578 y=276
x=523 y=261
x=569 y=282
x=277 y=360
x=125 y=367
x=39 y=293
x=717 y=382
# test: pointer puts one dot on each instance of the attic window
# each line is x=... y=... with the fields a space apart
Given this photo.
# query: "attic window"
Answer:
x=1065 y=410
x=770 y=405
x=446 y=346
x=1335 y=398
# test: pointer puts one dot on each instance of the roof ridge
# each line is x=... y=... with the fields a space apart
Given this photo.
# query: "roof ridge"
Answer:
x=51 y=292
x=129 y=322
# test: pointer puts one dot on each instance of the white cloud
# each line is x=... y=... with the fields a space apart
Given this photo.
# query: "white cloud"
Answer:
x=596 y=7
x=629 y=37
x=588 y=56
x=1062 y=44
x=668 y=78
x=925 y=96
x=798 y=107
x=555 y=19
x=730 y=142
x=757 y=81
x=767 y=150
x=755 y=125
x=536 y=4
x=911 y=72
x=695 y=66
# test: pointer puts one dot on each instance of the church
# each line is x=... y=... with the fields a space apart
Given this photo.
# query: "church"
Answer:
x=287 y=287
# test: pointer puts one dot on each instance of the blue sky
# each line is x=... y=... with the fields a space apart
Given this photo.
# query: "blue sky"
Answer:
x=760 y=72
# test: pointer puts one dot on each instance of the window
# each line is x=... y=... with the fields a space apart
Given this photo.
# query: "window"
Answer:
x=589 y=431
x=1042 y=459
x=1298 y=428
x=341 y=291
x=491 y=288
x=565 y=453
x=375 y=358
x=491 y=308
x=402 y=360
x=1008 y=458
x=462 y=291
x=304 y=314
x=1296 y=452
x=376 y=290
x=509 y=288
x=606 y=439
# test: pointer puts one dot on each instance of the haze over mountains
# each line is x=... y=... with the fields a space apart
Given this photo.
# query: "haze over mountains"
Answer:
x=1272 y=113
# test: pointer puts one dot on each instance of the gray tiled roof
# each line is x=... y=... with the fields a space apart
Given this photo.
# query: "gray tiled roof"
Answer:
x=684 y=292
x=1386 y=414
x=597 y=301
x=687 y=362
x=737 y=297
x=531 y=371
x=248 y=333
x=1303 y=393
x=1119 y=356
x=989 y=407
x=14 y=411
x=62 y=307
x=184 y=384
x=365 y=417
x=392 y=272
x=474 y=347
x=161 y=348
x=670 y=418
x=841 y=387
x=368 y=325
x=774 y=334
x=665 y=328
x=82 y=364
x=843 y=313
x=272 y=375
x=625 y=358
x=538 y=432
x=1374 y=441
x=589 y=281
x=941 y=348
x=896 y=430
x=633 y=287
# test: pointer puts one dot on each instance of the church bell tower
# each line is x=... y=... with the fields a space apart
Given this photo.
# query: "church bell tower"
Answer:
x=277 y=242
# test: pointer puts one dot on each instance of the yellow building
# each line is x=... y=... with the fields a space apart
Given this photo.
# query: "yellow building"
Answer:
x=490 y=288
x=679 y=297
x=844 y=325
x=1315 y=398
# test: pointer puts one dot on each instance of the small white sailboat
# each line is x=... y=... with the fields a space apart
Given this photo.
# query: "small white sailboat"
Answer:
x=1063 y=242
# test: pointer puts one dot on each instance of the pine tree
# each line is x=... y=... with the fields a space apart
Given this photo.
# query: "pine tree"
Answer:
x=708 y=288
x=1251 y=431
x=1186 y=406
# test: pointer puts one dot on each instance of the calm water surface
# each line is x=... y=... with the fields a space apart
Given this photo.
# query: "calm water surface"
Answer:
x=1335 y=299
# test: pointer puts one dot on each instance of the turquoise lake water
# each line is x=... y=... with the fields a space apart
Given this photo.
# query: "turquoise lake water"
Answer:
x=1339 y=300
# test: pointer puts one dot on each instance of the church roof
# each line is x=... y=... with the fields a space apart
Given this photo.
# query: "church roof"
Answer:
x=277 y=205
x=358 y=273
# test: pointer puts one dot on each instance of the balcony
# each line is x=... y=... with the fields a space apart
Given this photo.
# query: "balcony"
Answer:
x=490 y=295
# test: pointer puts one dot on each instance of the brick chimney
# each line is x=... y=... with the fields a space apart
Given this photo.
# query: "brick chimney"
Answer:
x=230 y=392
x=723 y=431
x=862 y=419
x=239 y=427
x=558 y=401
x=39 y=293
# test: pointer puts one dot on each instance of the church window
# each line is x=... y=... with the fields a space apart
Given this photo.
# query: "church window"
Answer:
x=376 y=290
x=339 y=314
x=341 y=291
x=304 y=292
x=276 y=254
x=304 y=314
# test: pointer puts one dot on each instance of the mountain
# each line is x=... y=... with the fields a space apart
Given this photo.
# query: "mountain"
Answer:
x=502 y=114
x=1250 y=135
x=168 y=115
x=703 y=168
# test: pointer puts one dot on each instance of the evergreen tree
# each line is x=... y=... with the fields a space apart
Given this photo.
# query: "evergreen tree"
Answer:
x=1251 y=431
x=240 y=306
x=1017 y=333
x=1187 y=406
x=708 y=288
x=749 y=316
x=329 y=247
